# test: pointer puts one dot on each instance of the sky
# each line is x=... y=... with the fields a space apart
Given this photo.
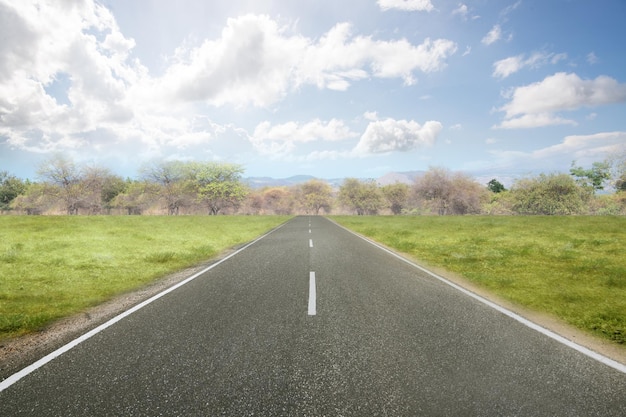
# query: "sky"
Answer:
x=333 y=89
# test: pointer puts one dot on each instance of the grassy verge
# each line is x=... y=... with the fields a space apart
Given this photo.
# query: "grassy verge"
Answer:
x=571 y=267
x=51 y=267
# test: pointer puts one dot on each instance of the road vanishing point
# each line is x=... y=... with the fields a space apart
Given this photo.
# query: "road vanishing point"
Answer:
x=313 y=320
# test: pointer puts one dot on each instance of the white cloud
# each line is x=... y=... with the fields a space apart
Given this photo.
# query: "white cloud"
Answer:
x=315 y=130
x=535 y=120
x=339 y=58
x=249 y=64
x=509 y=9
x=494 y=35
x=581 y=147
x=592 y=58
x=407 y=5
x=508 y=66
x=68 y=76
x=584 y=149
x=391 y=135
x=534 y=105
x=370 y=115
x=511 y=65
x=78 y=41
x=281 y=139
x=257 y=62
x=464 y=12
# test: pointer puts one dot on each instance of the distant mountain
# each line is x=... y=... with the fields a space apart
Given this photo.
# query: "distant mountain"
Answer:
x=389 y=178
x=260 y=182
x=408 y=177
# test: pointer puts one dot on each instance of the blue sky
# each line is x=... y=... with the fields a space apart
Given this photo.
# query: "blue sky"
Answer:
x=351 y=88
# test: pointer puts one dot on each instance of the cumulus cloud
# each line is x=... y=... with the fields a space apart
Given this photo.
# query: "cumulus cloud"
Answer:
x=511 y=65
x=257 y=62
x=407 y=5
x=535 y=105
x=392 y=135
x=250 y=63
x=45 y=41
x=281 y=139
x=68 y=77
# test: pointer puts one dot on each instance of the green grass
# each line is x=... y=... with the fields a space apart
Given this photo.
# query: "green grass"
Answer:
x=55 y=266
x=573 y=268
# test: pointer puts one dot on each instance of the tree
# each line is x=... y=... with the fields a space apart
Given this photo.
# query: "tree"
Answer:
x=136 y=197
x=278 y=200
x=35 y=200
x=595 y=177
x=618 y=171
x=219 y=185
x=450 y=193
x=620 y=184
x=10 y=188
x=552 y=194
x=314 y=195
x=64 y=179
x=495 y=186
x=362 y=196
x=100 y=187
x=397 y=196
x=172 y=177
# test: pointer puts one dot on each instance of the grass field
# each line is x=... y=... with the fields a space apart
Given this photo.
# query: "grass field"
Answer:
x=54 y=266
x=570 y=267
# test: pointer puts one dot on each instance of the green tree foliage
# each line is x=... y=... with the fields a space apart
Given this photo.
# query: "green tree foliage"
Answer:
x=396 y=196
x=595 y=177
x=10 y=188
x=37 y=198
x=495 y=186
x=314 y=196
x=219 y=185
x=550 y=194
x=136 y=197
x=87 y=188
x=620 y=184
x=364 y=197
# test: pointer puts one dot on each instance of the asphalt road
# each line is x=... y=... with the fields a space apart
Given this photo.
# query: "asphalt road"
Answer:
x=381 y=338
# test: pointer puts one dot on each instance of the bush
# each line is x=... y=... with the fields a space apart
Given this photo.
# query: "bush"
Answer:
x=550 y=194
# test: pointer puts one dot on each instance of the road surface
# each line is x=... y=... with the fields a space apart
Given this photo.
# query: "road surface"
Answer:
x=312 y=320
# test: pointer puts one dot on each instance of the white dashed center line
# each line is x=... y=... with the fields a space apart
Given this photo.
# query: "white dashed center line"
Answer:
x=312 y=295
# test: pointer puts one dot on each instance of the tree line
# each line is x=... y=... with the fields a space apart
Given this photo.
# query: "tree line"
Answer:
x=176 y=187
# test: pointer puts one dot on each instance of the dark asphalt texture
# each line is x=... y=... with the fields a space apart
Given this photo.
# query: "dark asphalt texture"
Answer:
x=387 y=340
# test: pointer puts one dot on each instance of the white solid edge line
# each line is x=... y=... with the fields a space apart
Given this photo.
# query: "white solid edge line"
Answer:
x=41 y=362
x=312 y=294
x=585 y=351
